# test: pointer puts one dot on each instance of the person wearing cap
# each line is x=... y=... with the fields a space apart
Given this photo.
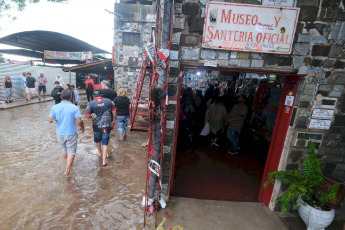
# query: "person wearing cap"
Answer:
x=67 y=116
x=101 y=110
x=56 y=92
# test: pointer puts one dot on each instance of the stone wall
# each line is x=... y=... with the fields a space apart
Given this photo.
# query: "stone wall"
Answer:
x=318 y=51
x=133 y=18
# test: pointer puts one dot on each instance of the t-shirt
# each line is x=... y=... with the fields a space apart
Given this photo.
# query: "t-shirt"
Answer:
x=102 y=107
x=109 y=93
x=88 y=82
x=122 y=105
x=238 y=109
x=55 y=95
x=41 y=80
x=30 y=82
x=65 y=114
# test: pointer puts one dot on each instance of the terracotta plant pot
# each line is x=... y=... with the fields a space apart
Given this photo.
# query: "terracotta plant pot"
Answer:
x=315 y=219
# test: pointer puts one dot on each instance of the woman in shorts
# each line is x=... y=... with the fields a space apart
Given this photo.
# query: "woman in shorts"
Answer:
x=8 y=85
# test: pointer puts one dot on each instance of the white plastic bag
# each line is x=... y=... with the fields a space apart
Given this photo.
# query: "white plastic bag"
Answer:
x=206 y=130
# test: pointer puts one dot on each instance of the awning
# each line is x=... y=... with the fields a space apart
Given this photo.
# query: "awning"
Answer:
x=99 y=67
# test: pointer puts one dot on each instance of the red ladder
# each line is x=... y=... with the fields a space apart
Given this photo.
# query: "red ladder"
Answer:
x=140 y=98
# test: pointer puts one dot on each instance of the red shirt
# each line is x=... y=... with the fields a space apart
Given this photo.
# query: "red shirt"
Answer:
x=89 y=81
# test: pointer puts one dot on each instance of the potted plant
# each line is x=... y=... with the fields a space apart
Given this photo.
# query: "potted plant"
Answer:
x=303 y=195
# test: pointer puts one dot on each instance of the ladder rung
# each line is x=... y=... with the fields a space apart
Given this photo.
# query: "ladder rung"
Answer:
x=142 y=114
x=141 y=121
x=144 y=108
x=140 y=128
x=143 y=102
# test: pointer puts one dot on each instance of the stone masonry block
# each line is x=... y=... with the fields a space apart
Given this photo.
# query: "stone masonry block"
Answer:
x=179 y=21
x=318 y=39
x=257 y=63
x=301 y=49
x=308 y=13
x=285 y=61
x=297 y=61
x=303 y=38
x=328 y=63
x=339 y=88
x=196 y=24
x=175 y=38
x=243 y=55
x=271 y=59
x=337 y=52
x=178 y=8
x=190 y=53
x=190 y=9
x=208 y=54
x=339 y=65
x=334 y=93
x=319 y=50
x=223 y=56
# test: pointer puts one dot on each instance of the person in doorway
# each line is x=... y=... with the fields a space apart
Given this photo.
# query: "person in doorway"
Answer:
x=31 y=85
x=42 y=80
x=76 y=94
x=216 y=115
x=89 y=84
x=24 y=85
x=67 y=116
x=122 y=113
x=102 y=125
x=56 y=92
x=60 y=80
x=107 y=92
x=8 y=86
x=236 y=119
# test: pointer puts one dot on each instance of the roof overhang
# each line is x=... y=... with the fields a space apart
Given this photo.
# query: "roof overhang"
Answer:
x=99 y=67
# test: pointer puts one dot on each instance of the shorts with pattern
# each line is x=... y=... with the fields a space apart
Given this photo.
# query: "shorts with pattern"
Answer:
x=68 y=143
x=9 y=92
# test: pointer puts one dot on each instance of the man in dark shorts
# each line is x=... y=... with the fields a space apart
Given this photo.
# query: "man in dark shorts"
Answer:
x=56 y=92
x=31 y=85
x=101 y=108
x=67 y=116
x=42 y=80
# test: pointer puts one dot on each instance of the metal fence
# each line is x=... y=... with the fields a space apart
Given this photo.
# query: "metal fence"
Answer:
x=16 y=73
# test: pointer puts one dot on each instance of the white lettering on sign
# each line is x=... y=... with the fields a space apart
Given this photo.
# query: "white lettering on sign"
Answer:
x=289 y=100
x=320 y=124
x=251 y=28
x=87 y=55
x=323 y=114
x=212 y=63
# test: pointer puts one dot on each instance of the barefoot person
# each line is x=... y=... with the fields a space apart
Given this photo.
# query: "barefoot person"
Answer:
x=102 y=108
x=67 y=116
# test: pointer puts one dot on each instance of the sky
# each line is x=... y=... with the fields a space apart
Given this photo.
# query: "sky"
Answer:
x=86 y=20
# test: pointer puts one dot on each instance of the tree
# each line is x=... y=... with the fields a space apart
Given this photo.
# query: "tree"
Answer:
x=6 y=6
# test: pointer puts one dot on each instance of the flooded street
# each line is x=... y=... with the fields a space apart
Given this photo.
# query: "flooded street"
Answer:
x=34 y=194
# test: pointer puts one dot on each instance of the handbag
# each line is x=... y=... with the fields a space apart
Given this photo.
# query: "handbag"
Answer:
x=206 y=130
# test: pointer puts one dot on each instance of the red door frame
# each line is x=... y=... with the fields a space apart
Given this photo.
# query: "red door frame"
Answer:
x=278 y=137
x=277 y=142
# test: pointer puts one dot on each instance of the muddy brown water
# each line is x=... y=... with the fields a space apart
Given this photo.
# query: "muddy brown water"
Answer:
x=34 y=194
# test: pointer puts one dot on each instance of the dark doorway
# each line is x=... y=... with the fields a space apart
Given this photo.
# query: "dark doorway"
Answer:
x=207 y=171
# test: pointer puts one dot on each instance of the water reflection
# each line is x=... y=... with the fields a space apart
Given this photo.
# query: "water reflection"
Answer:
x=34 y=194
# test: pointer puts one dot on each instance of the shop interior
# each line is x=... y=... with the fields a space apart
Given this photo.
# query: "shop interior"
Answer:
x=206 y=171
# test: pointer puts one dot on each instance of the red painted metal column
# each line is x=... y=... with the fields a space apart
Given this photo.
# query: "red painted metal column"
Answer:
x=279 y=135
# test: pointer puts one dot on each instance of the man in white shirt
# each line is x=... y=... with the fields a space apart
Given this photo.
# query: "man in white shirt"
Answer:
x=59 y=79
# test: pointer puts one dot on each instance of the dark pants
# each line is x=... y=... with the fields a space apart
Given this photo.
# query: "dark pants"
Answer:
x=89 y=94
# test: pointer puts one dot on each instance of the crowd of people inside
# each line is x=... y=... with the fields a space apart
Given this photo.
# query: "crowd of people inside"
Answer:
x=220 y=110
